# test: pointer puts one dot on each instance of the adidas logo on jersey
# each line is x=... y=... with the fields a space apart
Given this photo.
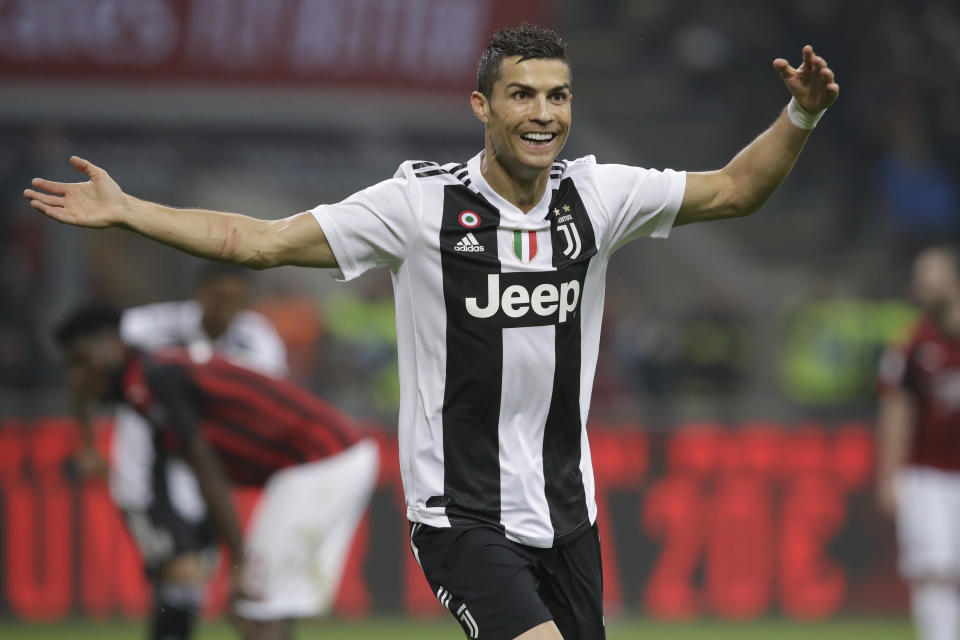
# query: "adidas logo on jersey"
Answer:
x=469 y=243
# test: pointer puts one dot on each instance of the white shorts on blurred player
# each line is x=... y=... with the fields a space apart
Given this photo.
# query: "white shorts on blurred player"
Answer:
x=928 y=523
x=299 y=538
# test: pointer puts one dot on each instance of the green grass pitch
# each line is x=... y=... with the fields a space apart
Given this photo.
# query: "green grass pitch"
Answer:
x=406 y=629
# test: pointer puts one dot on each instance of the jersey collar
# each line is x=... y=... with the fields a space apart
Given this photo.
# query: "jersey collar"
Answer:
x=510 y=215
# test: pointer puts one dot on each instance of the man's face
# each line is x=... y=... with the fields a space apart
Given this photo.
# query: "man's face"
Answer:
x=527 y=114
x=93 y=362
x=935 y=280
x=221 y=299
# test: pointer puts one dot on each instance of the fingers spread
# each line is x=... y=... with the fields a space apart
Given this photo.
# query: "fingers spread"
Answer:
x=783 y=67
x=53 y=187
x=53 y=200
x=84 y=165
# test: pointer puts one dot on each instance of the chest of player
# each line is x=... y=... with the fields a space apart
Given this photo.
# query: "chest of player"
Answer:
x=503 y=268
x=935 y=369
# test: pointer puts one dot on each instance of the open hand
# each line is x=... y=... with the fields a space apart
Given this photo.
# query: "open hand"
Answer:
x=812 y=83
x=98 y=202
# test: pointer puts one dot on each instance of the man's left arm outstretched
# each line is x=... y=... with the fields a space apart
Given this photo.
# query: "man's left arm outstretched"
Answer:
x=751 y=177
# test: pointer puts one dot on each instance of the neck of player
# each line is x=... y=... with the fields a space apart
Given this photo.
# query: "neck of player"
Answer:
x=519 y=185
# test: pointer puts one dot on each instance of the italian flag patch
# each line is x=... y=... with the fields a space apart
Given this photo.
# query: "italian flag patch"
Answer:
x=525 y=245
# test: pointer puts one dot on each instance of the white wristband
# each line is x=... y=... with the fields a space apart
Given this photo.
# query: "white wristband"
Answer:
x=801 y=117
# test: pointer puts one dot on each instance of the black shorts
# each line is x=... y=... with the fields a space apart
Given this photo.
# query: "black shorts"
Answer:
x=161 y=534
x=497 y=589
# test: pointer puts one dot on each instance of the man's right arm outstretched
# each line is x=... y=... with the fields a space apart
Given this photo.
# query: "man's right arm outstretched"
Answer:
x=225 y=237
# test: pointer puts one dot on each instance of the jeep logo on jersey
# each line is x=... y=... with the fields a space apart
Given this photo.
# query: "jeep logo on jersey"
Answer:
x=525 y=301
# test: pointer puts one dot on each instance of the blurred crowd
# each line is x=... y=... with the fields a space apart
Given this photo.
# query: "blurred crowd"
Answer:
x=785 y=311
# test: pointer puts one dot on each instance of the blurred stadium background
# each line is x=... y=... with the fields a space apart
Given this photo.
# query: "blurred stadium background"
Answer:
x=732 y=417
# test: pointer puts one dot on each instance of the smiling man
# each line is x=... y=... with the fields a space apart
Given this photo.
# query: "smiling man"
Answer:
x=498 y=266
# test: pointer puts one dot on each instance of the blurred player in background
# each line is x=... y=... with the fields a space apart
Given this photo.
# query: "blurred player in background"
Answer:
x=158 y=494
x=233 y=425
x=919 y=446
x=498 y=266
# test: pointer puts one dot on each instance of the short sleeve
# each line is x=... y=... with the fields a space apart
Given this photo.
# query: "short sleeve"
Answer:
x=640 y=202
x=372 y=228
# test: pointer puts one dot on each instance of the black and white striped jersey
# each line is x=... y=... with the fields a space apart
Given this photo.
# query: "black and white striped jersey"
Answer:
x=498 y=323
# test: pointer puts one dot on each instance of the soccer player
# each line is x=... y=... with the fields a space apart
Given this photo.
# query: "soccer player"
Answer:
x=498 y=266
x=918 y=460
x=158 y=494
x=233 y=425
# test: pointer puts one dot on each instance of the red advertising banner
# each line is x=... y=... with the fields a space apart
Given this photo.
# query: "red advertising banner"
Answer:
x=735 y=523
x=418 y=44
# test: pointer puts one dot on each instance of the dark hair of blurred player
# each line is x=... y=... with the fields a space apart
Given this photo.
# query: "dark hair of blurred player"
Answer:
x=222 y=291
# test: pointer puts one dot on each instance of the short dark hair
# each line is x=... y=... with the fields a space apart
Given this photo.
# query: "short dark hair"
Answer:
x=85 y=320
x=527 y=41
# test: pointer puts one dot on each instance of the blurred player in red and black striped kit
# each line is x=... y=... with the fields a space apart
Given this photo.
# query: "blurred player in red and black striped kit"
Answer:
x=919 y=446
x=235 y=426
x=158 y=493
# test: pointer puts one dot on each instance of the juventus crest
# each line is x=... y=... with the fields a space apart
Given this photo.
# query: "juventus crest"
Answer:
x=570 y=226
x=570 y=234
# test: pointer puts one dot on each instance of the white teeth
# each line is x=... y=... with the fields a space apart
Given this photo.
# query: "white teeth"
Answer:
x=538 y=137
